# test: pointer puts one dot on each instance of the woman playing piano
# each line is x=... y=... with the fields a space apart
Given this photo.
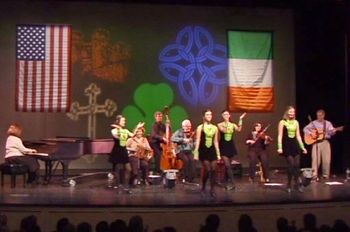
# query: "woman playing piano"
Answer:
x=119 y=156
x=17 y=153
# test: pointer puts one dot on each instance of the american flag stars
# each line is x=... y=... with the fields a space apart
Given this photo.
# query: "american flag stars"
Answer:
x=31 y=43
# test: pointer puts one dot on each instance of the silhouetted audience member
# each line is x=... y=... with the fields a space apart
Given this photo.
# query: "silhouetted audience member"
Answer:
x=69 y=228
x=30 y=224
x=340 y=226
x=309 y=223
x=118 y=226
x=61 y=223
x=282 y=224
x=102 y=226
x=325 y=228
x=169 y=229
x=84 y=227
x=3 y=223
x=212 y=223
x=245 y=224
x=136 y=224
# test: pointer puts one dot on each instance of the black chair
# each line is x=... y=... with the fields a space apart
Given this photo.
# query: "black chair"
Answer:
x=13 y=170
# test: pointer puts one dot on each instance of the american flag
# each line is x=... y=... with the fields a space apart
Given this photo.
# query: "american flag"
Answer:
x=43 y=68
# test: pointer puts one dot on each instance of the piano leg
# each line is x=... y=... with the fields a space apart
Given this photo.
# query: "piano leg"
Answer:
x=65 y=164
x=48 y=171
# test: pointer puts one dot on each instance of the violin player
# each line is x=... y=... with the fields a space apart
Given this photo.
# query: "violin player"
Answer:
x=257 y=141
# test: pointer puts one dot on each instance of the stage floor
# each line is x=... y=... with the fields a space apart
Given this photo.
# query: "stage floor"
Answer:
x=93 y=191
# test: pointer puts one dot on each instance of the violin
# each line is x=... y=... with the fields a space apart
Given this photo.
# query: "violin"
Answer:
x=262 y=135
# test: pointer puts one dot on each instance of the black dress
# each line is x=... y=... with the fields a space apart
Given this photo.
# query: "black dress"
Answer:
x=227 y=148
x=119 y=154
x=206 y=153
x=290 y=145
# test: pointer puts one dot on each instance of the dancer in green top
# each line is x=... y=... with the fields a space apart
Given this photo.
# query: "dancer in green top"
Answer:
x=290 y=145
x=119 y=156
x=227 y=131
x=207 y=150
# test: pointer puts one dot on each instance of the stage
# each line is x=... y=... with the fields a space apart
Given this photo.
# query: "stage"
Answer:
x=92 y=200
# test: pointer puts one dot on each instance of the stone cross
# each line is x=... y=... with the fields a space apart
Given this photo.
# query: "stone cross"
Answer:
x=108 y=108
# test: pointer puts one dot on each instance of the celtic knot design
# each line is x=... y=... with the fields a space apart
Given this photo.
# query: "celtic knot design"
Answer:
x=196 y=64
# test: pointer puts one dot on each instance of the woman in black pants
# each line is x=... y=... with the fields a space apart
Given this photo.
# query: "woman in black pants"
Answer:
x=257 y=141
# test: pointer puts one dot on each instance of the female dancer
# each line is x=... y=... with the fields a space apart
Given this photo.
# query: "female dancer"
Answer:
x=140 y=153
x=257 y=141
x=227 y=146
x=207 y=150
x=119 y=155
x=290 y=144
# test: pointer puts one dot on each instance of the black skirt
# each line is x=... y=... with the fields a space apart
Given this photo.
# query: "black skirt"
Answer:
x=119 y=154
x=290 y=146
x=206 y=153
x=227 y=148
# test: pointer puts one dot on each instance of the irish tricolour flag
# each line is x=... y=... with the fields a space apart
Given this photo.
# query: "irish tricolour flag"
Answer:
x=250 y=71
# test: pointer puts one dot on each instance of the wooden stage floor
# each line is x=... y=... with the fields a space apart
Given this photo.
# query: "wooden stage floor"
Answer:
x=93 y=191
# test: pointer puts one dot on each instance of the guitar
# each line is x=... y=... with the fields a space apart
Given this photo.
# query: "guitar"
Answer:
x=317 y=135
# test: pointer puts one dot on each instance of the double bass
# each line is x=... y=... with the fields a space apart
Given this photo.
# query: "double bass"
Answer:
x=168 y=159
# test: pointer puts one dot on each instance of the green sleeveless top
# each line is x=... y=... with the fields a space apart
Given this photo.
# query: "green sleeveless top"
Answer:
x=291 y=126
x=230 y=131
x=123 y=135
x=209 y=132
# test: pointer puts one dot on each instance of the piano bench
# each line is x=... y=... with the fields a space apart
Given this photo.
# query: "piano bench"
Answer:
x=13 y=170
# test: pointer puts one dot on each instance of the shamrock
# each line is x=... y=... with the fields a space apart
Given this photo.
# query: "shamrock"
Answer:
x=148 y=99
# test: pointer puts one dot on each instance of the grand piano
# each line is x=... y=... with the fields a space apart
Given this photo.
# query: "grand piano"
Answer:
x=65 y=149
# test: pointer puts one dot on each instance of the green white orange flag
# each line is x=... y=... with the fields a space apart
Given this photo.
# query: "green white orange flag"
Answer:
x=250 y=71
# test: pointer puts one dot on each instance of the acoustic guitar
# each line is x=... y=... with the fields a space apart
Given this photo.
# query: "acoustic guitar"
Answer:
x=317 y=135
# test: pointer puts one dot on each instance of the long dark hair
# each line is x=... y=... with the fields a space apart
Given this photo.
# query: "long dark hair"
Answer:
x=118 y=118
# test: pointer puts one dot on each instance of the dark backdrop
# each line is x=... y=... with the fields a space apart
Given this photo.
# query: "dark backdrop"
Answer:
x=321 y=70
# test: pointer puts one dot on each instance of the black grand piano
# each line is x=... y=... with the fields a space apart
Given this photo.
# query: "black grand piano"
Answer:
x=65 y=149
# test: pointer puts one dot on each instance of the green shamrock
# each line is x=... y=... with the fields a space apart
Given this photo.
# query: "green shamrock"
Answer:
x=148 y=99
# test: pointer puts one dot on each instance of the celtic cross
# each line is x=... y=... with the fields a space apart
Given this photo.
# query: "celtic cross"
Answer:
x=108 y=108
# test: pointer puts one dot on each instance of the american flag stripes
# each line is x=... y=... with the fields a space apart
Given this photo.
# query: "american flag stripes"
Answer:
x=43 y=68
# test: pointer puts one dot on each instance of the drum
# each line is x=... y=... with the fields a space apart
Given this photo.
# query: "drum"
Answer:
x=170 y=178
x=307 y=172
x=155 y=179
